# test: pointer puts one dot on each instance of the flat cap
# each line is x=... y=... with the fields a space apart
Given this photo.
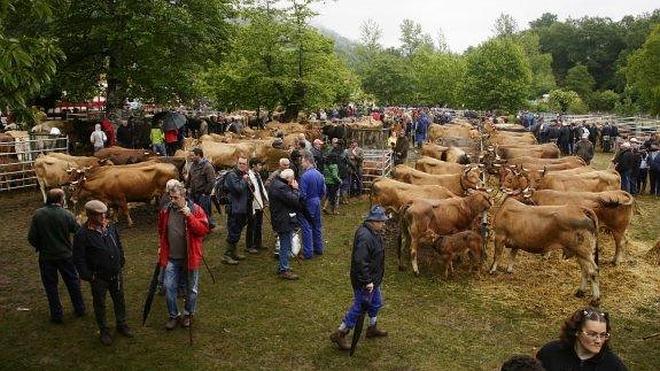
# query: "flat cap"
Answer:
x=96 y=206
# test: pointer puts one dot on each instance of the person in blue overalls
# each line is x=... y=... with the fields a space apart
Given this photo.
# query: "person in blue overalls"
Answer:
x=312 y=186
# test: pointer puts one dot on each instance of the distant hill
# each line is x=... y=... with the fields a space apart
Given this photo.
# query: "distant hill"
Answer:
x=344 y=47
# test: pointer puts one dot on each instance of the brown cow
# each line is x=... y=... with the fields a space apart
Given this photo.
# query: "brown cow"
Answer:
x=513 y=178
x=433 y=150
x=460 y=243
x=593 y=181
x=392 y=194
x=540 y=229
x=124 y=156
x=430 y=165
x=613 y=208
x=118 y=185
x=509 y=138
x=459 y=183
x=423 y=220
x=436 y=131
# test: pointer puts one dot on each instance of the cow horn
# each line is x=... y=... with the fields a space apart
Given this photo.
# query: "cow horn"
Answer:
x=74 y=182
x=79 y=171
x=497 y=165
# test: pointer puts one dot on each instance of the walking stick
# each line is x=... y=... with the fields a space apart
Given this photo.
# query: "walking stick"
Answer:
x=208 y=269
x=190 y=334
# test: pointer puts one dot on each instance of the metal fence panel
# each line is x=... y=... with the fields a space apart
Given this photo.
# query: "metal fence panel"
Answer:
x=17 y=159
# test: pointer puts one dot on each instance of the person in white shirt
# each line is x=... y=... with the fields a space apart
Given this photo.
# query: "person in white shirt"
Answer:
x=253 y=240
x=98 y=138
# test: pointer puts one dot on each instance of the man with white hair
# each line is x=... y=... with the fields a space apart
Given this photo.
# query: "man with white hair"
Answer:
x=182 y=226
x=285 y=203
x=302 y=138
x=284 y=163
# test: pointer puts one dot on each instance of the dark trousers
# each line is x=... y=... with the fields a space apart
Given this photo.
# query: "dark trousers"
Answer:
x=641 y=180
x=49 y=278
x=235 y=224
x=171 y=148
x=626 y=184
x=253 y=231
x=116 y=288
x=204 y=201
x=654 y=182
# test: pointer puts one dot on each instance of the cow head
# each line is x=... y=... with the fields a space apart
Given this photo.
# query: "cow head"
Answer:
x=471 y=178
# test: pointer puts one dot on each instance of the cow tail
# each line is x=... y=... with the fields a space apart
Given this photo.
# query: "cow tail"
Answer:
x=403 y=228
x=592 y=215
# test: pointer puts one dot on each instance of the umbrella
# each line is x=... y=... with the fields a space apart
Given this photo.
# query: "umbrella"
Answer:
x=150 y=294
x=173 y=121
x=359 y=324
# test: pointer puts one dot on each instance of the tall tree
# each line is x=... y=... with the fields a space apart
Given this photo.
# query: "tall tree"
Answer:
x=543 y=80
x=154 y=50
x=497 y=76
x=413 y=38
x=505 y=26
x=579 y=80
x=544 y=21
x=30 y=54
x=643 y=74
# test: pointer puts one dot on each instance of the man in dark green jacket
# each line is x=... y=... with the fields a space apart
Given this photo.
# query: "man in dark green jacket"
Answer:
x=50 y=235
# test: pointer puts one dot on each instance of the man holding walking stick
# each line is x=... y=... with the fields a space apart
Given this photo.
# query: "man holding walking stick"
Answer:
x=182 y=226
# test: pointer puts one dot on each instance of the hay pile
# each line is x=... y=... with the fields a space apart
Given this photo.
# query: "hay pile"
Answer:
x=653 y=255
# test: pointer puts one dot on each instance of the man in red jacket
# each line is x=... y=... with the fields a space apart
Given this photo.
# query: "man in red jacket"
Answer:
x=109 y=130
x=182 y=226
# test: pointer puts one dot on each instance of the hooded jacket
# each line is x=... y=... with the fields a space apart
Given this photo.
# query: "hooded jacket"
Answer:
x=368 y=258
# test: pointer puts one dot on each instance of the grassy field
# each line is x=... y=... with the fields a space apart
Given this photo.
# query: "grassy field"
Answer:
x=250 y=319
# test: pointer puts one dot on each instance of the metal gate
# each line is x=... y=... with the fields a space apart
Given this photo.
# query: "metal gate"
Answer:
x=17 y=158
x=377 y=163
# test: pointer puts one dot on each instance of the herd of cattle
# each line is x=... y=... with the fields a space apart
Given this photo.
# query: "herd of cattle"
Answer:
x=550 y=203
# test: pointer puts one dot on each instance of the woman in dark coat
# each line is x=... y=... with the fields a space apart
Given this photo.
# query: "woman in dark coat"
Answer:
x=583 y=344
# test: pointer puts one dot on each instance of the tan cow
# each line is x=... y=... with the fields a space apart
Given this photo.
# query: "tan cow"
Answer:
x=547 y=150
x=118 y=185
x=54 y=169
x=513 y=178
x=430 y=165
x=392 y=194
x=459 y=183
x=436 y=131
x=423 y=220
x=433 y=150
x=540 y=229
x=613 y=208
x=593 y=181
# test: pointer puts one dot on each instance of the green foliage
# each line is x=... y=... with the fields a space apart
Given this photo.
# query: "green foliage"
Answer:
x=643 y=73
x=387 y=76
x=413 y=38
x=543 y=80
x=277 y=59
x=566 y=101
x=505 y=26
x=497 y=76
x=154 y=50
x=436 y=77
x=604 y=101
x=29 y=55
x=580 y=81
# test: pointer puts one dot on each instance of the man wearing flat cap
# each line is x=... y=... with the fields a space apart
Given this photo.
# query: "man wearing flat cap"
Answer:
x=99 y=257
x=367 y=269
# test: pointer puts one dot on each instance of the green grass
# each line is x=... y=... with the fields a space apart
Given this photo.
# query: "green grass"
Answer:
x=250 y=319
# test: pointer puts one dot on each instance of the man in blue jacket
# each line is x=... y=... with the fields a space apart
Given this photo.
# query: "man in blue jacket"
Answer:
x=367 y=269
x=312 y=186
x=237 y=183
x=421 y=129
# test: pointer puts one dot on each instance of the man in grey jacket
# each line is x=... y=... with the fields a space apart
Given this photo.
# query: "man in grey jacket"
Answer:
x=237 y=183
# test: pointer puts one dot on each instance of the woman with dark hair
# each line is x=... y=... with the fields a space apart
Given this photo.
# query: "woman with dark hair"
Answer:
x=583 y=344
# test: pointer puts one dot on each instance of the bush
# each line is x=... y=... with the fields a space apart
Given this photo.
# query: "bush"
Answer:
x=604 y=101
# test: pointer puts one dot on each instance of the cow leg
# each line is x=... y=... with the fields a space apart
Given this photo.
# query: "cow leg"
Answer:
x=499 y=245
x=581 y=292
x=413 y=256
x=124 y=208
x=620 y=241
x=512 y=259
x=42 y=188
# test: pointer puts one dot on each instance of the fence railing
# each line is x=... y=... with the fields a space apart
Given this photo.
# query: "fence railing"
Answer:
x=17 y=159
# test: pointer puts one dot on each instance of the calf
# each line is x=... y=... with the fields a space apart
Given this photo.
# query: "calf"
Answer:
x=459 y=244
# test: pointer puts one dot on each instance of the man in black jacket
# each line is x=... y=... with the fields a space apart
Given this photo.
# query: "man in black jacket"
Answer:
x=99 y=257
x=237 y=183
x=367 y=269
x=284 y=205
x=50 y=234
x=201 y=178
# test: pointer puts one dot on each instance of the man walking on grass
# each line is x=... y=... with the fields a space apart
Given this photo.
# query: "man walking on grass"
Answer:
x=367 y=269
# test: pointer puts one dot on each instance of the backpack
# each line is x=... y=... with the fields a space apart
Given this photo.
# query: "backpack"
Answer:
x=220 y=191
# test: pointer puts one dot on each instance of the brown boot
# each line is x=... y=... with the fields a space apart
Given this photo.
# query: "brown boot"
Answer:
x=375 y=332
x=339 y=337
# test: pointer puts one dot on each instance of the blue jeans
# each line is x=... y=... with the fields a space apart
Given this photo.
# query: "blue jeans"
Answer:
x=49 y=278
x=626 y=181
x=285 y=251
x=372 y=300
x=175 y=271
x=312 y=234
x=159 y=148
